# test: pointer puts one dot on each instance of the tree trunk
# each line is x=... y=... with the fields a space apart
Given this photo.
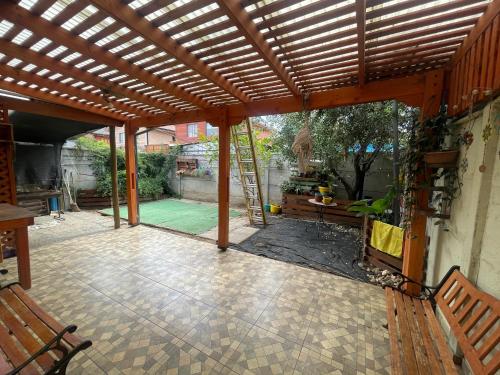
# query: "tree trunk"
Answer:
x=360 y=183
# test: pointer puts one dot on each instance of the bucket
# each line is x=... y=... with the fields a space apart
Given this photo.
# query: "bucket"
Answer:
x=275 y=209
x=53 y=204
x=267 y=207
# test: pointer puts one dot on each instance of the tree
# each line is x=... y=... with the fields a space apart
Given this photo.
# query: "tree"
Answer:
x=358 y=133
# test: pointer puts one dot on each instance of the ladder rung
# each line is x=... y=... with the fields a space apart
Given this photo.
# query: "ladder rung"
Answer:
x=246 y=161
x=241 y=133
x=248 y=173
x=244 y=147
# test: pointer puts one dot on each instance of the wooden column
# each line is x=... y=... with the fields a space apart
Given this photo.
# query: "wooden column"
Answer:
x=416 y=241
x=131 y=168
x=224 y=171
x=114 y=177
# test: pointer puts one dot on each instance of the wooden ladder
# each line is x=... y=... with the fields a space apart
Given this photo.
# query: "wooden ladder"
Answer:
x=249 y=172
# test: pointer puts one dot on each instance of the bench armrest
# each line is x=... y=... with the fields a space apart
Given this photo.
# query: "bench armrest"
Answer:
x=56 y=344
x=428 y=292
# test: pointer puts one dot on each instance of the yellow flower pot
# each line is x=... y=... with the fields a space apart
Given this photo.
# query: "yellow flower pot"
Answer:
x=275 y=209
x=324 y=189
x=327 y=200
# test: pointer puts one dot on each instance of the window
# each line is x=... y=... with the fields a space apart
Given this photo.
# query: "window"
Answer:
x=121 y=138
x=192 y=130
x=212 y=130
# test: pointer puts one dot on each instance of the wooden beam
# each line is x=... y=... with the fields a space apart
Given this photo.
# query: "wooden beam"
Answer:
x=23 y=53
x=53 y=85
x=54 y=110
x=372 y=91
x=141 y=25
x=43 y=28
x=361 y=28
x=223 y=191
x=416 y=241
x=114 y=177
x=51 y=98
x=482 y=23
x=131 y=173
x=242 y=20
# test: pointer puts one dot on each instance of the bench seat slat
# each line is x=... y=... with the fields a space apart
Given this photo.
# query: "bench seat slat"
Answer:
x=406 y=341
x=12 y=352
x=5 y=366
x=73 y=339
x=393 y=333
x=42 y=331
x=430 y=350
x=418 y=346
x=25 y=338
x=444 y=351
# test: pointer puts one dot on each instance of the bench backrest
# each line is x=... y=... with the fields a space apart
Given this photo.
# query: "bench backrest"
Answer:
x=473 y=316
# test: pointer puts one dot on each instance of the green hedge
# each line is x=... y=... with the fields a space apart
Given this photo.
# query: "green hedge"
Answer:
x=153 y=169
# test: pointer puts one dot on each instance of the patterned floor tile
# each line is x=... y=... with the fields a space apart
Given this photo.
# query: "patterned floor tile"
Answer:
x=218 y=334
x=157 y=303
x=183 y=359
x=311 y=362
x=181 y=315
x=263 y=353
x=286 y=319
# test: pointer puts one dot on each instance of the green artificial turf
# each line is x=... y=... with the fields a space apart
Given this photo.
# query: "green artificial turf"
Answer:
x=189 y=217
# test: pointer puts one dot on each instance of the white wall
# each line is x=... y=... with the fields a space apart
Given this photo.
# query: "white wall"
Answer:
x=471 y=238
x=205 y=188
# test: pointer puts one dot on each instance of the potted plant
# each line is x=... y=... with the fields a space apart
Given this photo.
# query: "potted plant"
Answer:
x=432 y=137
x=323 y=188
x=428 y=162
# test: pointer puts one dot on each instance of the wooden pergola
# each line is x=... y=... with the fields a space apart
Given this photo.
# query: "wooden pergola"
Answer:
x=147 y=63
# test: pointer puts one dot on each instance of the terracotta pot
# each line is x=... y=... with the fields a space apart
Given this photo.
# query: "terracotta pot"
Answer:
x=441 y=159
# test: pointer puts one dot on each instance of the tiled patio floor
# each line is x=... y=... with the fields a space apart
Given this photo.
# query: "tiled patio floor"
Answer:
x=155 y=302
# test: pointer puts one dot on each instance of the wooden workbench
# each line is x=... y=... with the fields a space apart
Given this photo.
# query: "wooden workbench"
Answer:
x=17 y=219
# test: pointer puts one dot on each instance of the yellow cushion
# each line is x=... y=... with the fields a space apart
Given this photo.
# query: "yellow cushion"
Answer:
x=387 y=238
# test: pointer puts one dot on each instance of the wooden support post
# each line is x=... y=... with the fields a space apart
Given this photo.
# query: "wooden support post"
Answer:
x=224 y=170
x=416 y=241
x=131 y=167
x=114 y=177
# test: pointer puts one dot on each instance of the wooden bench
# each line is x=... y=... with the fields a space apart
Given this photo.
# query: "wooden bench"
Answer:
x=418 y=344
x=31 y=341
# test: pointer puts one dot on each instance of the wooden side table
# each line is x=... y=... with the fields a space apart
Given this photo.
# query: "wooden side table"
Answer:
x=18 y=219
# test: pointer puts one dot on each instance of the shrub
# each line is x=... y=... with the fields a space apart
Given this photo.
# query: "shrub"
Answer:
x=153 y=169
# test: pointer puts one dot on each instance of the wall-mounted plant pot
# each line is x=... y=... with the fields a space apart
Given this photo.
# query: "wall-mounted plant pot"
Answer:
x=441 y=159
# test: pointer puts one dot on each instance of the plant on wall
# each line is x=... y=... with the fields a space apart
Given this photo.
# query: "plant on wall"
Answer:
x=153 y=169
x=441 y=176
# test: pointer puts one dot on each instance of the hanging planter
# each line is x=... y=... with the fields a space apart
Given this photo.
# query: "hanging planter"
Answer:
x=441 y=159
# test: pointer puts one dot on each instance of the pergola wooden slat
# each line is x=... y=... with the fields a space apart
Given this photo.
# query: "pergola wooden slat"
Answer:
x=161 y=62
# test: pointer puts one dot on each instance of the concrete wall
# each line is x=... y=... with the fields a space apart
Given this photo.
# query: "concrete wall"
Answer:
x=205 y=188
x=78 y=165
x=471 y=238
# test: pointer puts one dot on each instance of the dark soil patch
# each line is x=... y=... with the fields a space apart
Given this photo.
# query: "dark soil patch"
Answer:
x=336 y=249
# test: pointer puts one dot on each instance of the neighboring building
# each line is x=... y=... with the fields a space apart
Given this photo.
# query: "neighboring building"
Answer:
x=191 y=132
x=155 y=140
